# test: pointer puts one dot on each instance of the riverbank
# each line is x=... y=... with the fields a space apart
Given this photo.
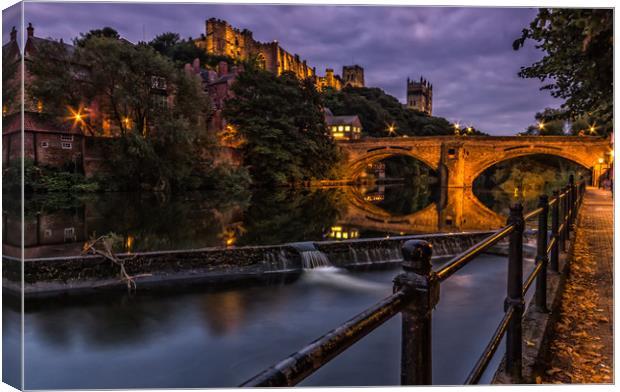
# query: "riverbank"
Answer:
x=581 y=346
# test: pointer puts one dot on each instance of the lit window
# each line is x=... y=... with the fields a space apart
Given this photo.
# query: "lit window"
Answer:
x=347 y=128
x=39 y=106
x=334 y=129
x=340 y=128
x=66 y=146
x=45 y=144
x=66 y=138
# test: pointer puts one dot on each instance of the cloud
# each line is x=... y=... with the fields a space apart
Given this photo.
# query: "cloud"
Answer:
x=465 y=52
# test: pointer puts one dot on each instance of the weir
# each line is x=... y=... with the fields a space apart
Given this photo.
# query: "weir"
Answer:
x=311 y=257
x=213 y=266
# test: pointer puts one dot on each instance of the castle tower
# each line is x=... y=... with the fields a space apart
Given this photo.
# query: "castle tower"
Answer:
x=353 y=75
x=420 y=96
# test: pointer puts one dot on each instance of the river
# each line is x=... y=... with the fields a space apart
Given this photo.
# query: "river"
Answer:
x=220 y=338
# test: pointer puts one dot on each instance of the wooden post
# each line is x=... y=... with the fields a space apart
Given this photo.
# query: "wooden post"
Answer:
x=555 y=224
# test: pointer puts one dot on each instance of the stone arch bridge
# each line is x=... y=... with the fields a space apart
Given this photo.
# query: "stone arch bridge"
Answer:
x=459 y=160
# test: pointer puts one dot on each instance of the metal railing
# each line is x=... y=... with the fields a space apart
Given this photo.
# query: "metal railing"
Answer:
x=416 y=292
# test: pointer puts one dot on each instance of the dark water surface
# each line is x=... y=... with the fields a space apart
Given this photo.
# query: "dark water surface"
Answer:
x=222 y=338
x=58 y=225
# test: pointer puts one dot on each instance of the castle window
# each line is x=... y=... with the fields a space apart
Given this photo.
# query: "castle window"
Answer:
x=45 y=144
x=340 y=128
x=451 y=152
x=347 y=128
x=66 y=146
x=66 y=138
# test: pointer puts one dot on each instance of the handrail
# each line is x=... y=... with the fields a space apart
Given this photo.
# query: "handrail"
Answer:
x=484 y=360
x=460 y=260
x=416 y=292
x=301 y=364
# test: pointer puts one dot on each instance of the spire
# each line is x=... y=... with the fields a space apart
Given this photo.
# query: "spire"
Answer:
x=13 y=34
x=30 y=30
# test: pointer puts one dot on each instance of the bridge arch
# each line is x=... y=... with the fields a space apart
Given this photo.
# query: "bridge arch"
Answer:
x=357 y=166
x=587 y=161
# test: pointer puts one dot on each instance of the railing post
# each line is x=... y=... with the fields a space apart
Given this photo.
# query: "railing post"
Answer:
x=515 y=293
x=555 y=224
x=422 y=285
x=541 y=255
x=563 y=219
x=571 y=184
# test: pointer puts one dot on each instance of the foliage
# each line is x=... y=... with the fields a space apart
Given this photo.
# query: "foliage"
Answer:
x=378 y=111
x=184 y=51
x=578 y=64
x=161 y=128
x=281 y=120
x=552 y=122
x=38 y=179
x=107 y=32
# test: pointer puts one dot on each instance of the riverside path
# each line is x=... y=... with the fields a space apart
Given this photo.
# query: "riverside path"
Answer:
x=581 y=346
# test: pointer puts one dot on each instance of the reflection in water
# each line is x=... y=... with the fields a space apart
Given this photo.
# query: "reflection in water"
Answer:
x=221 y=338
x=149 y=223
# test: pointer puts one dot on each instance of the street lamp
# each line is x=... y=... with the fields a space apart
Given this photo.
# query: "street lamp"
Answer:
x=391 y=129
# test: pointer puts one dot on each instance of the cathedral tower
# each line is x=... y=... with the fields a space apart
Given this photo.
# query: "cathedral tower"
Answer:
x=353 y=75
x=420 y=96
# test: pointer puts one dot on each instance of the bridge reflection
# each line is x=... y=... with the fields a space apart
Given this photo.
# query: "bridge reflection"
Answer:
x=457 y=209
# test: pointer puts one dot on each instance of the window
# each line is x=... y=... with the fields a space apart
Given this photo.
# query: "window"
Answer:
x=66 y=146
x=340 y=128
x=47 y=233
x=158 y=83
x=45 y=144
x=69 y=233
x=66 y=138
x=347 y=128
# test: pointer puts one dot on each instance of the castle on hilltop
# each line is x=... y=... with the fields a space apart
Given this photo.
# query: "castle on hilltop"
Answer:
x=224 y=40
x=420 y=96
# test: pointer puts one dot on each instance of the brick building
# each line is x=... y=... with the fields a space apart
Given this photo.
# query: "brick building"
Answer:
x=45 y=142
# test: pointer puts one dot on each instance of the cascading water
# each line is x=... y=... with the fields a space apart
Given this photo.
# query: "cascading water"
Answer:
x=319 y=270
x=311 y=257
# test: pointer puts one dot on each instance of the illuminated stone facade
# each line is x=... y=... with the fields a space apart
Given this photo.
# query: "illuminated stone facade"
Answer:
x=353 y=75
x=420 y=96
x=222 y=39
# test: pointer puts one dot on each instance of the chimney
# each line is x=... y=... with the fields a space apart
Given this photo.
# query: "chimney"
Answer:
x=222 y=68
x=30 y=30
x=13 y=34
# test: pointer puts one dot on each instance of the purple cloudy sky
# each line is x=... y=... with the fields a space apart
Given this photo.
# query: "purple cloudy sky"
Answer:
x=465 y=52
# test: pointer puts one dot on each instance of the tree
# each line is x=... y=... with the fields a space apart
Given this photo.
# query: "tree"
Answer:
x=184 y=51
x=158 y=110
x=578 y=64
x=107 y=32
x=549 y=122
x=379 y=112
x=282 y=123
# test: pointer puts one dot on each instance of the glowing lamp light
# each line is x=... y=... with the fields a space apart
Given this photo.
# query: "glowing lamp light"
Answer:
x=77 y=116
x=601 y=160
x=541 y=125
